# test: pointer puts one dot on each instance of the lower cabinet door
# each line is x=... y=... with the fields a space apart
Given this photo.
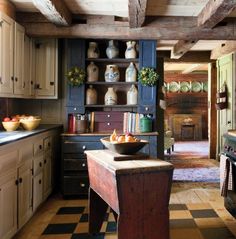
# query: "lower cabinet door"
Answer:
x=47 y=176
x=8 y=206
x=37 y=190
x=75 y=185
x=24 y=193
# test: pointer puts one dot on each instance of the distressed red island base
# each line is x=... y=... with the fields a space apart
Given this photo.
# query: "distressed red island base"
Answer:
x=137 y=191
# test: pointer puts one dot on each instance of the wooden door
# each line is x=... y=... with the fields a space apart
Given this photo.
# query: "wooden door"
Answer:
x=226 y=117
x=19 y=83
x=6 y=55
x=46 y=68
x=8 y=205
x=24 y=193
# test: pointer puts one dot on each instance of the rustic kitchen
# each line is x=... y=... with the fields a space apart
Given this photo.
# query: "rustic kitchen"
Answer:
x=88 y=91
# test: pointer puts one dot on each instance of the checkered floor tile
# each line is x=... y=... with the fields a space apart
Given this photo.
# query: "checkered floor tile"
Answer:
x=195 y=221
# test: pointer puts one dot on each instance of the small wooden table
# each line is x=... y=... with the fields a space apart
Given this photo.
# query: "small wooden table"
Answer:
x=137 y=191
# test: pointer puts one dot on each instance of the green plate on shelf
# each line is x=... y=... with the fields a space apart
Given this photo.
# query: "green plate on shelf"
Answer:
x=173 y=86
x=184 y=86
x=205 y=86
x=196 y=86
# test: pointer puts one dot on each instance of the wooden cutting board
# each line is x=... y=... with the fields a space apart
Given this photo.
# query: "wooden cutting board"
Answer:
x=122 y=157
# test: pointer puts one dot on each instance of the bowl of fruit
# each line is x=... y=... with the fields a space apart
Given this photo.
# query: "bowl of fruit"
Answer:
x=10 y=124
x=30 y=122
x=123 y=144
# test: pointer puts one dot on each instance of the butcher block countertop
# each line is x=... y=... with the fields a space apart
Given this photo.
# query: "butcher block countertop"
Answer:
x=9 y=137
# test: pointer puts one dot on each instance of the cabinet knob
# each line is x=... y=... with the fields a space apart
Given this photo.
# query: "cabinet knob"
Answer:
x=83 y=164
x=108 y=116
x=108 y=123
x=49 y=144
x=31 y=82
x=20 y=180
x=146 y=108
x=75 y=108
x=40 y=164
x=12 y=78
x=16 y=79
x=45 y=161
x=16 y=182
x=0 y=189
x=84 y=147
x=82 y=185
x=40 y=146
x=40 y=181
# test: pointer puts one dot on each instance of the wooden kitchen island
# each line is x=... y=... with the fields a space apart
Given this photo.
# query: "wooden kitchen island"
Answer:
x=137 y=191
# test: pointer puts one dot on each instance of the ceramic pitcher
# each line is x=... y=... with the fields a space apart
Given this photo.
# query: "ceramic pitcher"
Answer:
x=93 y=51
x=92 y=72
x=131 y=73
x=110 y=97
x=132 y=96
x=112 y=73
x=130 y=51
x=112 y=51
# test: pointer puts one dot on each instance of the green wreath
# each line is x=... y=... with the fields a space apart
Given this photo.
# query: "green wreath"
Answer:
x=76 y=76
x=148 y=76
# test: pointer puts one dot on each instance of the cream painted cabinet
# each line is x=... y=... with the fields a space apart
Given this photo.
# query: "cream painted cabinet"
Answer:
x=19 y=83
x=11 y=57
x=6 y=55
x=37 y=190
x=226 y=75
x=24 y=193
x=8 y=205
x=46 y=66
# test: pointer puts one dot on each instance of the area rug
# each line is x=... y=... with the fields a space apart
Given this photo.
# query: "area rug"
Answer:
x=211 y=174
x=198 y=221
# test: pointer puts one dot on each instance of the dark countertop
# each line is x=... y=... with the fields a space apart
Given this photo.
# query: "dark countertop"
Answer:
x=9 y=137
x=107 y=134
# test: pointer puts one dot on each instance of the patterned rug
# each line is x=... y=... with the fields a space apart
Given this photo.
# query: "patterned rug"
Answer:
x=197 y=221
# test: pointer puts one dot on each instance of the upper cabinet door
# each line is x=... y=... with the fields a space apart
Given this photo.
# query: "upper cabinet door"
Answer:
x=19 y=81
x=6 y=54
x=147 y=95
x=46 y=66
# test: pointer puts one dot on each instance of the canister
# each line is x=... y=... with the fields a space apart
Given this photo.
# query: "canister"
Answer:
x=145 y=124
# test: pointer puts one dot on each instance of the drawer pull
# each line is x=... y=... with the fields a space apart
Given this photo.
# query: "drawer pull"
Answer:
x=108 y=123
x=83 y=164
x=75 y=108
x=146 y=108
x=84 y=147
x=40 y=164
x=82 y=185
x=40 y=181
x=40 y=146
x=108 y=116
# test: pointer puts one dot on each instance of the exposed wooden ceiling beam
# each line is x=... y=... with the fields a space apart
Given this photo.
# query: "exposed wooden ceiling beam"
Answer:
x=55 y=11
x=214 y=12
x=137 y=12
x=191 y=68
x=181 y=47
x=223 y=49
x=163 y=28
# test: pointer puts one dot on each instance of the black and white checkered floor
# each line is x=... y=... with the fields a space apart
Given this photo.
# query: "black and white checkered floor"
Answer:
x=195 y=221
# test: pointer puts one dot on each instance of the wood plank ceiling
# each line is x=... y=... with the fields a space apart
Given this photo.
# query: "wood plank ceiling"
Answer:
x=186 y=30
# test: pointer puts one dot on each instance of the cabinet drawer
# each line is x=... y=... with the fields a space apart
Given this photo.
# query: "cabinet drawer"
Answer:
x=80 y=147
x=38 y=164
x=47 y=143
x=108 y=116
x=76 y=185
x=75 y=164
x=38 y=147
x=108 y=126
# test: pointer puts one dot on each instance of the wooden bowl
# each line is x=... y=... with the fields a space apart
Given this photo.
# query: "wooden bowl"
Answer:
x=124 y=148
x=30 y=124
x=10 y=125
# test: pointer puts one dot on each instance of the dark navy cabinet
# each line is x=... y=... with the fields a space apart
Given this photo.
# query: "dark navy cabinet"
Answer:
x=75 y=56
x=147 y=96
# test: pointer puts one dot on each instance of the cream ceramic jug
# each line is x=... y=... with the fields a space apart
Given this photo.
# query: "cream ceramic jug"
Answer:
x=130 y=51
